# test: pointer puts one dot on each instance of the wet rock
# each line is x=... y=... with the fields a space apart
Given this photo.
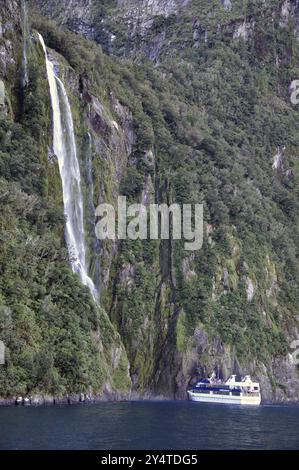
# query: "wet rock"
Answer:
x=19 y=401
x=74 y=399
x=37 y=400
x=7 y=401
x=48 y=400
x=61 y=400
x=2 y=94
x=250 y=290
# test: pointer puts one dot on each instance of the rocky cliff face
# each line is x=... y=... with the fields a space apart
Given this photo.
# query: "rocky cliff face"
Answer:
x=10 y=21
x=42 y=355
x=130 y=27
x=156 y=29
x=204 y=124
x=76 y=14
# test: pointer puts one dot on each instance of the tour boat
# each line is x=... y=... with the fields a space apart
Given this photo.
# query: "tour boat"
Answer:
x=244 y=392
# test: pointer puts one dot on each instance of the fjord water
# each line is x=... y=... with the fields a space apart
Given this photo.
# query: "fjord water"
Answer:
x=150 y=425
x=65 y=149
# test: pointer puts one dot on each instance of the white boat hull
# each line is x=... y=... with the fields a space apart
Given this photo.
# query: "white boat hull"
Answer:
x=229 y=399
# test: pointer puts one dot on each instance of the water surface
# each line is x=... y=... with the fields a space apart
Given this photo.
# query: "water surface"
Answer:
x=150 y=425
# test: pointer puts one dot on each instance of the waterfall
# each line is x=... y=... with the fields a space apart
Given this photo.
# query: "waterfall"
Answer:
x=64 y=146
x=25 y=31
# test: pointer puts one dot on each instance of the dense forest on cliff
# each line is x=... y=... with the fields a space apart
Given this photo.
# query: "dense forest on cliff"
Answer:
x=172 y=101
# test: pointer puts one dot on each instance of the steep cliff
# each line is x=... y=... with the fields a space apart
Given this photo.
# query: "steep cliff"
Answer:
x=157 y=29
x=211 y=121
x=57 y=341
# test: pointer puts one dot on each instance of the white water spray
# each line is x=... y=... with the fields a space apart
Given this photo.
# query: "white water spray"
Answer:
x=64 y=146
x=25 y=31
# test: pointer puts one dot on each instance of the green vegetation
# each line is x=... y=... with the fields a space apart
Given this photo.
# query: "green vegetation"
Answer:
x=214 y=117
x=57 y=340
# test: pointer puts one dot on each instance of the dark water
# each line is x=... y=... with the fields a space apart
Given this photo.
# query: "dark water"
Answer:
x=147 y=426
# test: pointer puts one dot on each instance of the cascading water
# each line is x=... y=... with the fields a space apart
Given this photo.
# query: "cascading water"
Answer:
x=26 y=33
x=64 y=146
